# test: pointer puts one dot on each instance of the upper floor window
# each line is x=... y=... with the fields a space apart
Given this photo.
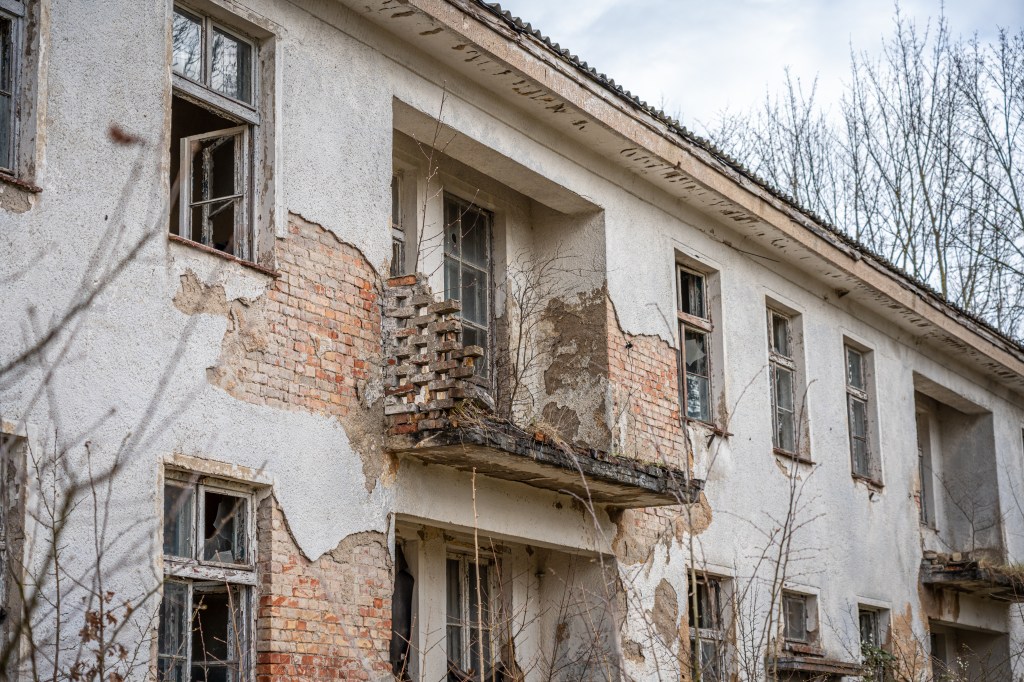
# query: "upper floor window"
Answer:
x=12 y=13
x=467 y=271
x=213 y=122
x=695 y=335
x=863 y=454
x=782 y=374
x=398 y=235
x=209 y=574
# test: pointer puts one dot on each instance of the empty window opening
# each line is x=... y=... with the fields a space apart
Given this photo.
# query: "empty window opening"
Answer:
x=212 y=125
x=707 y=632
x=782 y=371
x=695 y=333
x=470 y=616
x=467 y=272
x=205 y=621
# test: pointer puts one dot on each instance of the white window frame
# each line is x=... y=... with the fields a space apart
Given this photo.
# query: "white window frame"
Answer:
x=194 y=571
x=703 y=326
x=878 y=623
x=243 y=199
x=779 y=361
x=926 y=469
x=246 y=114
x=464 y=623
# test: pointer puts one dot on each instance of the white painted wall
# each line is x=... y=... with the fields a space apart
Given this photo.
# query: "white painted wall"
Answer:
x=134 y=365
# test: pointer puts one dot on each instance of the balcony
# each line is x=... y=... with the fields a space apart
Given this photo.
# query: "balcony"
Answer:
x=438 y=412
x=979 y=577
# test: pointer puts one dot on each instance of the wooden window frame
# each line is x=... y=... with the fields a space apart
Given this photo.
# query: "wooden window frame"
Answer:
x=695 y=325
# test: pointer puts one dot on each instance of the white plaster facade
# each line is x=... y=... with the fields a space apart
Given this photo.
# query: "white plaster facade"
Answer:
x=560 y=159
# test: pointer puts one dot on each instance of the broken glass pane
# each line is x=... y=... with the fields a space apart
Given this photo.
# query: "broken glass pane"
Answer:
x=179 y=501
x=691 y=286
x=231 y=66
x=187 y=48
x=218 y=632
x=696 y=353
x=173 y=633
x=216 y=190
x=224 y=532
x=697 y=398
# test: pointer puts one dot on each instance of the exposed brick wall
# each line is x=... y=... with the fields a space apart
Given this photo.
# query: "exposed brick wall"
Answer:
x=315 y=338
x=328 y=619
x=643 y=373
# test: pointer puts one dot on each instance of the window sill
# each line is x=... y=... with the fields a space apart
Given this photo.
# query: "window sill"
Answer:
x=220 y=254
x=803 y=648
x=869 y=482
x=713 y=428
x=778 y=452
x=8 y=179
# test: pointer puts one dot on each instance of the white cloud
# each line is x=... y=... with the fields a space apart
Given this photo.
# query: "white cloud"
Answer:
x=694 y=57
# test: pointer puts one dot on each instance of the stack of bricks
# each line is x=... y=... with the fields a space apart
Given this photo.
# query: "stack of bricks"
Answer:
x=428 y=369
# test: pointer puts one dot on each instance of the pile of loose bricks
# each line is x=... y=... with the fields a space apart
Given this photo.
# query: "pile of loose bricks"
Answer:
x=428 y=368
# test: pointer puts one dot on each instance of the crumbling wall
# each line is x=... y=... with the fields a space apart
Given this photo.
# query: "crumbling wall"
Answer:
x=643 y=372
x=311 y=343
x=324 y=619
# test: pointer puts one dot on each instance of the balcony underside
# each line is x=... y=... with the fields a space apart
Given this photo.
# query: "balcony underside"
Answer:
x=815 y=665
x=1000 y=583
x=503 y=452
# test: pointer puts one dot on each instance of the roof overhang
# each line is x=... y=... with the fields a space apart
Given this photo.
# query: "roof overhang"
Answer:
x=517 y=66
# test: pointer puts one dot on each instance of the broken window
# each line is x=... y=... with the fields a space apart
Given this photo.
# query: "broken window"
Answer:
x=857 y=398
x=397 y=229
x=209 y=571
x=782 y=373
x=871 y=633
x=799 y=617
x=467 y=271
x=707 y=632
x=213 y=119
x=695 y=333
x=470 y=616
x=12 y=13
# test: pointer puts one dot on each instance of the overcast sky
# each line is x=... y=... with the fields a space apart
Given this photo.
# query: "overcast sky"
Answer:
x=693 y=58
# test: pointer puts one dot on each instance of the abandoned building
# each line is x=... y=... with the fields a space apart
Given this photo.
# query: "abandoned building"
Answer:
x=388 y=340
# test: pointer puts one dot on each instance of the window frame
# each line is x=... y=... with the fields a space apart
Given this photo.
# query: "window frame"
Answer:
x=398 y=232
x=809 y=602
x=926 y=470
x=464 y=623
x=247 y=118
x=15 y=12
x=716 y=634
x=193 y=571
x=456 y=292
x=877 y=618
x=861 y=395
x=697 y=325
x=776 y=360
